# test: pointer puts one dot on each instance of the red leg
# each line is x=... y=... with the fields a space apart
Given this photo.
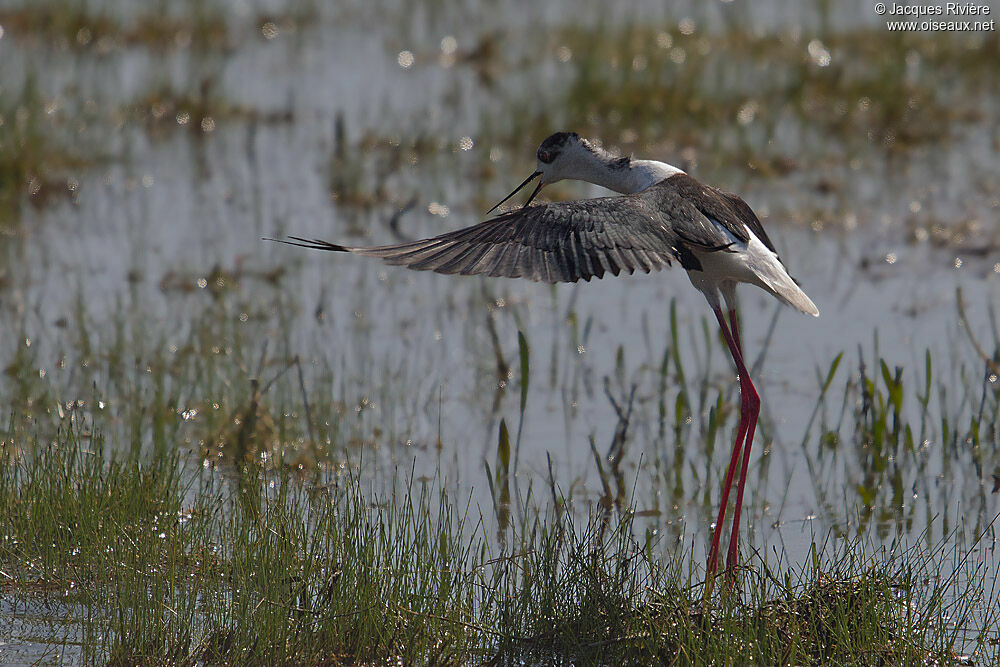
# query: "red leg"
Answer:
x=734 y=328
x=750 y=406
x=732 y=340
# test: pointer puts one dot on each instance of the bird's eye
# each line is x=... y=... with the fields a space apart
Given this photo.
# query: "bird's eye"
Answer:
x=545 y=156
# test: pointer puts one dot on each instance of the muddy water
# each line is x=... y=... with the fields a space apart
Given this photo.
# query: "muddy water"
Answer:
x=326 y=121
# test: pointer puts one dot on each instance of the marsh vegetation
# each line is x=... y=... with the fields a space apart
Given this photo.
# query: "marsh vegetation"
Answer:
x=216 y=449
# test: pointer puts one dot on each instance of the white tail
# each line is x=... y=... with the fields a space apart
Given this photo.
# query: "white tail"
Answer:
x=773 y=276
x=783 y=286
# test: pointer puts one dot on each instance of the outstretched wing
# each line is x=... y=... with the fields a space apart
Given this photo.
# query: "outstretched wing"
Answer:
x=557 y=242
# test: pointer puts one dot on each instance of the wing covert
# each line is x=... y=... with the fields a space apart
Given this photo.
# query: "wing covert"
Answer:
x=705 y=217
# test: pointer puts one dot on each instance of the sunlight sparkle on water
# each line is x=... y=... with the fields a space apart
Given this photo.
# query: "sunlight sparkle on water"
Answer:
x=269 y=30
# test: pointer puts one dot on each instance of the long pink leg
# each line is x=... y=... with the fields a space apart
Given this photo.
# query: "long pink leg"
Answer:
x=734 y=328
x=749 y=404
x=732 y=340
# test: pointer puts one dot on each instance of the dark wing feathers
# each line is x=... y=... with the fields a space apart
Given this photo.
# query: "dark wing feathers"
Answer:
x=558 y=242
x=747 y=216
x=704 y=216
x=583 y=239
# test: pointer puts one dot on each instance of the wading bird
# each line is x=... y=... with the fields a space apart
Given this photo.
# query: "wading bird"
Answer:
x=663 y=215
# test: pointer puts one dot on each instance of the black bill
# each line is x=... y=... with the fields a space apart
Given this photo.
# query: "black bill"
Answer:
x=529 y=179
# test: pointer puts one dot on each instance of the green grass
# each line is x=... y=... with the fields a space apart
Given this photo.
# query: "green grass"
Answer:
x=191 y=492
x=205 y=540
x=159 y=560
x=893 y=428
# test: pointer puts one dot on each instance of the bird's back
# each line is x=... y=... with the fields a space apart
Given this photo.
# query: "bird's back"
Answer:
x=721 y=238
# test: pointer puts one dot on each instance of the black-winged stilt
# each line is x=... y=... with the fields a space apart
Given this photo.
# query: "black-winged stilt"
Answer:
x=662 y=215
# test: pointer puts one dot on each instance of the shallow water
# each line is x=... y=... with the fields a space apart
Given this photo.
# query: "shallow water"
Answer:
x=331 y=104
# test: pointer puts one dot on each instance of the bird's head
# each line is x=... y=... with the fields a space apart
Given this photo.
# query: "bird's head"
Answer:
x=562 y=155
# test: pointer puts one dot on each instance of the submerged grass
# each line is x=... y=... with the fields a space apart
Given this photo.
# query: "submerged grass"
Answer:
x=159 y=25
x=898 y=433
x=82 y=25
x=38 y=157
x=159 y=561
x=642 y=82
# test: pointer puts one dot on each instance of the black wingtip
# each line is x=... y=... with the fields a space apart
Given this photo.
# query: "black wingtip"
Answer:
x=312 y=244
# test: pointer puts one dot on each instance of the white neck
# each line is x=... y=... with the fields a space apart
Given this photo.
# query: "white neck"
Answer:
x=649 y=172
x=634 y=177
